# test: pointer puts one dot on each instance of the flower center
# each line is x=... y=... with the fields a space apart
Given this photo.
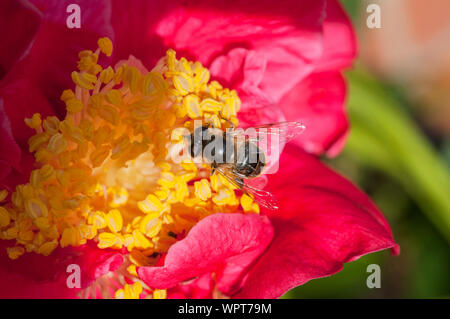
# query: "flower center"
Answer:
x=105 y=172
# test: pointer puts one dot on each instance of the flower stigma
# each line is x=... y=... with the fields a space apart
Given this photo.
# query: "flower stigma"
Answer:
x=104 y=173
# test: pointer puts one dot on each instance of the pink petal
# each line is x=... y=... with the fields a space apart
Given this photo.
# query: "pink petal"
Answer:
x=15 y=286
x=35 y=81
x=285 y=36
x=339 y=39
x=18 y=99
x=21 y=99
x=37 y=276
x=20 y=22
x=93 y=261
x=319 y=102
x=222 y=243
x=199 y=288
x=9 y=150
x=260 y=49
x=25 y=276
x=245 y=70
x=53 y=52
x=15 y=165
x=95 y=15
x=275 y=57
x=132 y=61
x=323 y=222
x=136 y=35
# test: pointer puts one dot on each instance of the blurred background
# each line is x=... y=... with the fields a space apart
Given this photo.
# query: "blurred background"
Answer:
x=399 y=148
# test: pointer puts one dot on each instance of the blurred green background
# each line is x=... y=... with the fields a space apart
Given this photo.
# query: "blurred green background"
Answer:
x=399 y=149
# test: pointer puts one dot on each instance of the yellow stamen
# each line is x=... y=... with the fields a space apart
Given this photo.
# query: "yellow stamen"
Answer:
x=35 y=121
x=15 y=252
x=105 y=172
x=74 y=106
x=202 y=190
x=114 y=220
x=47 y=248
x=150 y=204
x=105 y=46
x=129 y=291
x=5 y=218
x=159 y=294
x=107 y=240
x=132 y=270
x=3 y=194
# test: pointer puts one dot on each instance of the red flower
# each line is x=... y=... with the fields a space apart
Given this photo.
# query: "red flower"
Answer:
x=284 y=60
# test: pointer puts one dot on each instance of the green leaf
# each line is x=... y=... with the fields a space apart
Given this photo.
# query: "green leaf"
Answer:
x=385 y=137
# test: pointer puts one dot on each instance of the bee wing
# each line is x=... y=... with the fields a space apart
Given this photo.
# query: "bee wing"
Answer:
x=270 y=139
x=285 y=131
x=262 y=197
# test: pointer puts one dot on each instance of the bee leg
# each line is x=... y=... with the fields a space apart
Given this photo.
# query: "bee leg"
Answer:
x=228 y=121
x=213 y=169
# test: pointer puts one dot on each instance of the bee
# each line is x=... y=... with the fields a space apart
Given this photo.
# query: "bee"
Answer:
x=241 y=156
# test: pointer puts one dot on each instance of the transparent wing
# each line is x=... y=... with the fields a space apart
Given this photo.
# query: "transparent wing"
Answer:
x=285 y=131
x=262 y=197
x=270 y=140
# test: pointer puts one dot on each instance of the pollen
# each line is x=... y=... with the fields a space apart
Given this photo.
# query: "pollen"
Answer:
x=105 y=173
x=34 y=122
x=105 y=46
x=114 y=220
x=15 y=252
x=159 y=294
x=3 y=195
x=129 y=291
x=150 y=204
x=5 y=217
x=202 y=190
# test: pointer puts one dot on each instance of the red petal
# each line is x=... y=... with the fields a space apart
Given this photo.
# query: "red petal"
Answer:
x=19 y=99
x=26 y=276
x=9 y=150
x=319 y=102
x=15 y=286
x=200 y=288
x=285 y=36
x=37 y=276
x=211 y=28
x=266 y=52
x=95 y=15
x=244 y=70
x=53 y=53
x=93 y=261
x=137 y=36
x=339 y=39
x=323 y=222
x=15 y=165
x=35 y=82
x=20 y=22
x=222 y=243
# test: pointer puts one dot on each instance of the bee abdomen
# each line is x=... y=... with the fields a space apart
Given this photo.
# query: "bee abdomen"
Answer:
x=250 y=160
